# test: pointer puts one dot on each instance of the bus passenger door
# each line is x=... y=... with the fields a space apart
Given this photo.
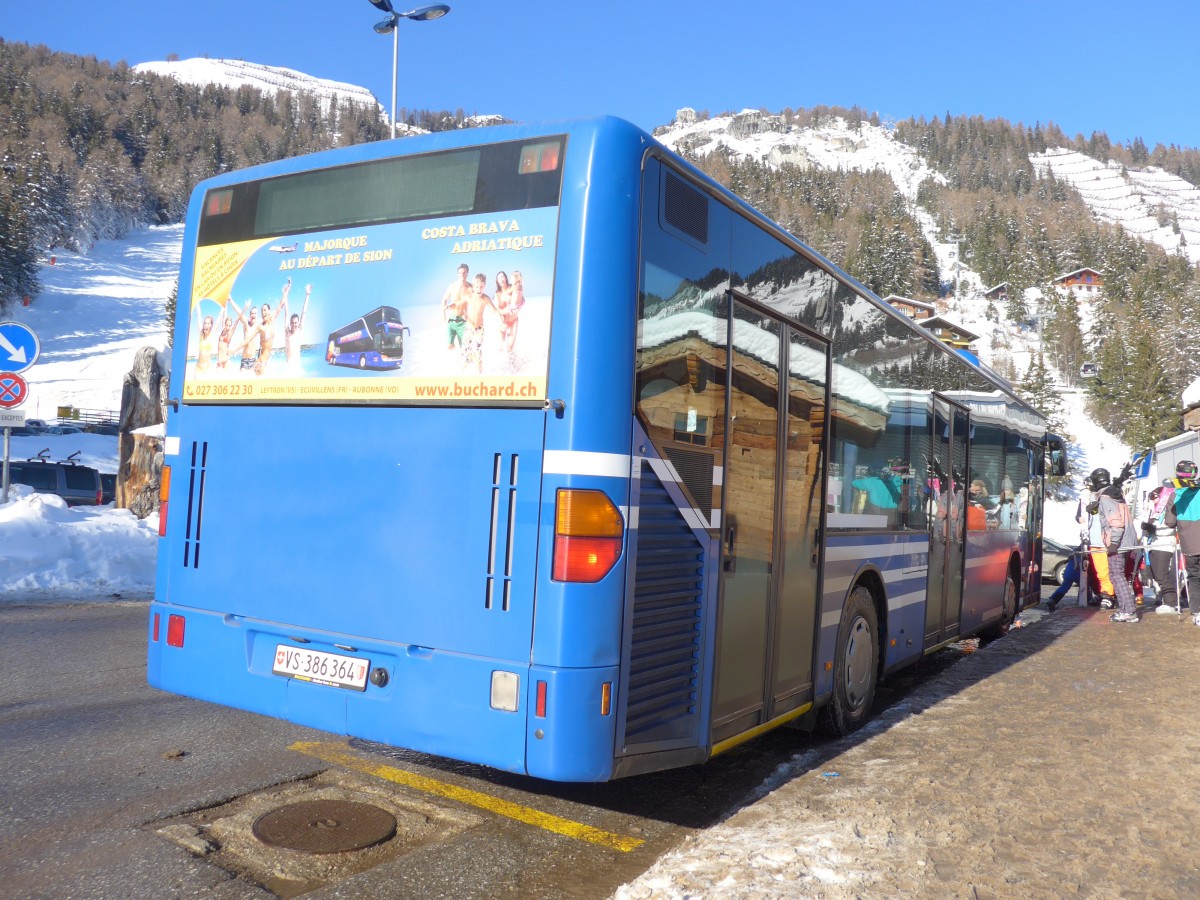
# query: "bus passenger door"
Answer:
x=947 y=520
x=748 y=523
x=799 y=535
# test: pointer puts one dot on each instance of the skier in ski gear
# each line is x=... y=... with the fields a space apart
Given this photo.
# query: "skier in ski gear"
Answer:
x=1120 y=538
x=1160 y=540
x=1184 y=516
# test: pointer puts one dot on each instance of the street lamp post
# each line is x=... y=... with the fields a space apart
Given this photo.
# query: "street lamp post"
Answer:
x=391 y=23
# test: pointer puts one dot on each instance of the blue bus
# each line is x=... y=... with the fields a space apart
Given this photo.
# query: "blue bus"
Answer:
x=656 y=476
x=372 y=341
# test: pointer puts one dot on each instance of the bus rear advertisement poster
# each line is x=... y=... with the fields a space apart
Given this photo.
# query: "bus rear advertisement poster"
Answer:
x=448 y=310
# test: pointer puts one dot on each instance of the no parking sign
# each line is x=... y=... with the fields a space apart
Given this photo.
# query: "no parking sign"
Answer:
x=13 y=390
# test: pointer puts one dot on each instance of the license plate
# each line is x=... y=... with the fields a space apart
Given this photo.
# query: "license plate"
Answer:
x=319 y=667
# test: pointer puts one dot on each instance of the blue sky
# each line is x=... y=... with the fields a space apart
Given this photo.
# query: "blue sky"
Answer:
x=1127 y=69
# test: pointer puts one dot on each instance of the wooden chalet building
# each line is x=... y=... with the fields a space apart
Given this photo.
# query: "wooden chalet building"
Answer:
x=950 y=333
x=914 y=309
x=1085 y=281
x=999 y=293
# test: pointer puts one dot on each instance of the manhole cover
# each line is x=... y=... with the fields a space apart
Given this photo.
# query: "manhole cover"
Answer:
x=325 y=826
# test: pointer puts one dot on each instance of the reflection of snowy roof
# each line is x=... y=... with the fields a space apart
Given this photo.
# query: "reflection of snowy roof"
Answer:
x=1191 y=395
x=761 y=344
x=995 y=408
x=896 y=298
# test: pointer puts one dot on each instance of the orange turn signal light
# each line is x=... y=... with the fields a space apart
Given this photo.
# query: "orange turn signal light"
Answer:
x=164 y=491
x=588 y=531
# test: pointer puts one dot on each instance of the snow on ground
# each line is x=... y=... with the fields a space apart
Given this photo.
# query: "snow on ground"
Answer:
x=93 y=315
x=53 y=552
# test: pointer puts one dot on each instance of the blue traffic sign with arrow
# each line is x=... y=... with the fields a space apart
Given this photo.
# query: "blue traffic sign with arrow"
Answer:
x=19 y=347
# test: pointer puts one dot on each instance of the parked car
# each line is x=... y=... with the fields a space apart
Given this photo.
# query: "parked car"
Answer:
x=108 y=487
x=79 y=485
x=104 y=428
x=1054 y=560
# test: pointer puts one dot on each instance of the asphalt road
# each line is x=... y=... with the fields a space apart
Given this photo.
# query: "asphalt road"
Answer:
x=111 y=788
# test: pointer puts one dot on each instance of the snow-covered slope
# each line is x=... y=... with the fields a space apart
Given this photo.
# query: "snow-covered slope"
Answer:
x=234 y=73
x=1149 y=203
x=835 y=144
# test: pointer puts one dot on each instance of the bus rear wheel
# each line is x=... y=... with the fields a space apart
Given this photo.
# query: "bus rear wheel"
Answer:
x=1009 y=613
x=855 y=668
x=362 y=361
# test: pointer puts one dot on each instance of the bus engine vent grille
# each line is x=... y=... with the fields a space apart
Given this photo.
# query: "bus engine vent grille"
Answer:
x=695 y=468
x=664 y=659
x=195 y=505
x=685 y=208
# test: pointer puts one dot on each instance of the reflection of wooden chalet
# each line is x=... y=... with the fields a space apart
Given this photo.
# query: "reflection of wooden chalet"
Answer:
x=914 y=309
x=682 y=402
x=950 y=333
x=998 y=293
x=1083 y=280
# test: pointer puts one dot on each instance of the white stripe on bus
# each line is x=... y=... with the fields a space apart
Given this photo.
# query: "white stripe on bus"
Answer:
x=861 y=550
x=833 y=617
x=664 y=470
x=586 y=462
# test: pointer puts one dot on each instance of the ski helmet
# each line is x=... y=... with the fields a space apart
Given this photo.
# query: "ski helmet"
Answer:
x=1099 y=479
x=1185 y=472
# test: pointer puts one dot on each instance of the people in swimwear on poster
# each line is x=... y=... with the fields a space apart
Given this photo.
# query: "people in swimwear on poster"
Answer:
x=454 y=305
x=292 y=328
x=256 y=343
x=258 y=334
x=206 y=343
x=509 y=299
x=473 y=334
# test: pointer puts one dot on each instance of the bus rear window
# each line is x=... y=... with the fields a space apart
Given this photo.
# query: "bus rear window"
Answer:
x=504 y=177
x=405 y=188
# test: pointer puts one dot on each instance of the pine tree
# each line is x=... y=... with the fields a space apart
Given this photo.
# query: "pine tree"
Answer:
x=1043 y=394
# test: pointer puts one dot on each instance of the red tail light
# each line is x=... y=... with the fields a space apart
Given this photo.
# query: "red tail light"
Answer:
x=587 y=536
x=539 y=709
x=164 y=491
x=175 y=628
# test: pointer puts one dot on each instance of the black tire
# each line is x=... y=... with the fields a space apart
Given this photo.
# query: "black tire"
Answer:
x=1060 y=572
x=362 y=361
x=1009 y=613
x=855 y=667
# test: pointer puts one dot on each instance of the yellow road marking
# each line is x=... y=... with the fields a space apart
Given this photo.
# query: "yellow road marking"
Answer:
x=339 y=754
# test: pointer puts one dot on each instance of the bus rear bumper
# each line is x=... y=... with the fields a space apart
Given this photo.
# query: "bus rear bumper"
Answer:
x=433 y=701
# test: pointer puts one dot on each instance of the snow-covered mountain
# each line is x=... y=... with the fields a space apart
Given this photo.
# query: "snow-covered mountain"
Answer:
x=234 y=73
